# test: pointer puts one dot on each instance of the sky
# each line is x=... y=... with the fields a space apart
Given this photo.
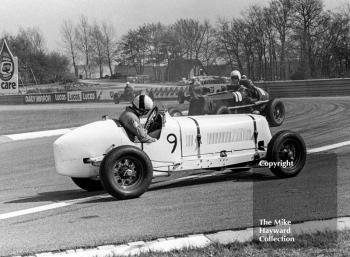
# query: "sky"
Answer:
x=48 y=15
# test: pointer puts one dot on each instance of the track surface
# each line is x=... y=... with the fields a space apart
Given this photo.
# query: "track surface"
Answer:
x=222 y=201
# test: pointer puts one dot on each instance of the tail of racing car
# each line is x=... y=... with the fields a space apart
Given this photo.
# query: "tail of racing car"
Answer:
x=72 y=149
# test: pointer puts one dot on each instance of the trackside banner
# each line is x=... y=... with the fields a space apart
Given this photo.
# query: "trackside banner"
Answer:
x=89 y=96
x=74 y=96
x=38 y=99
x=8 y=71
x=60 y=97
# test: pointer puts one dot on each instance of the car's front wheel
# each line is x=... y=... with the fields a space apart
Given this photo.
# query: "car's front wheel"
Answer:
x=287 y=154
x=88 y=184
x=275 y=112
x=126 y=172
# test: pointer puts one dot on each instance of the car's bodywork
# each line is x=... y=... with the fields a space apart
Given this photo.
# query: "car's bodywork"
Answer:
x=224 y=141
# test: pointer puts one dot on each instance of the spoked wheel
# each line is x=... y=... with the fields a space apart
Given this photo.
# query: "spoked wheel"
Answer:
x=126 y=172
x=275 y=112
x=287 y=150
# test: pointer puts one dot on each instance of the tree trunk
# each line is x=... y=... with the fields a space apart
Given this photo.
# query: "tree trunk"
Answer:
x=283 y=65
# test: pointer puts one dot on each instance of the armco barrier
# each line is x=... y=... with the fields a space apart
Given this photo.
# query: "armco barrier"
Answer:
x=304 y=88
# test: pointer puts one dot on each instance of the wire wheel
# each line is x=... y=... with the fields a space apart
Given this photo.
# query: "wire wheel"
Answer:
x=127 y=172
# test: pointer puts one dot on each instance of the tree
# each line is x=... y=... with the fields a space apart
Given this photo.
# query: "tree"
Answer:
x=69 y=42
x=208 y=53
x=97 y=47
x=133 y=48
x=229 y=42
x=109 y=43
x=171 y=47
x=82 y=34
x=307 y=18
x=281 y=13
x=155 y=50
x=36 y=64
x=191 y=35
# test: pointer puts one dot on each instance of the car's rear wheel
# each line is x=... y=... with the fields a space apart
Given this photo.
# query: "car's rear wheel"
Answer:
x=288 y=152
x=275 y=112
x=88 y=184
x=126 y=172
x=174 y=112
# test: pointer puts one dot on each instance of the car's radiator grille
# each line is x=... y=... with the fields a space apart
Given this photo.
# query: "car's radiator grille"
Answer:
x=237 y=135
x=189 y=140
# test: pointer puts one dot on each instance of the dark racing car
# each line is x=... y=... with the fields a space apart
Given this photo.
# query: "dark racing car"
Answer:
x=230 y=101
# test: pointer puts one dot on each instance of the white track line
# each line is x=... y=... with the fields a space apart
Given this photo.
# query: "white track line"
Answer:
x=51 y=206
x=328 y=147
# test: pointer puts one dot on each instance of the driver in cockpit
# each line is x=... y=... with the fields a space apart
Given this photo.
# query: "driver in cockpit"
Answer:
x=130 y=118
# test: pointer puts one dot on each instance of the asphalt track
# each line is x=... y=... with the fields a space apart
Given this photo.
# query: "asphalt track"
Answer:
x=175 y=207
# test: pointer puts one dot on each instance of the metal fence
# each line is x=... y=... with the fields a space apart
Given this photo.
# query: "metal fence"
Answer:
x=303 y=88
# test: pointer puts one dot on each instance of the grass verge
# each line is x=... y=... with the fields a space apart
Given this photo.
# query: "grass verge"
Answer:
x=318 y=244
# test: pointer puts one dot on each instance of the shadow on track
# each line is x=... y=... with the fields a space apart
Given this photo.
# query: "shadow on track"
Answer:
x=208 y=177
x=186 y=179
x=56 y=196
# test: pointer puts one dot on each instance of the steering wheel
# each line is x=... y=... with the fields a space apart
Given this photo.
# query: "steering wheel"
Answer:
x=151 y=117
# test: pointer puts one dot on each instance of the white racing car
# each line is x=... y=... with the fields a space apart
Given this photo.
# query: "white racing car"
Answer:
x=103 y=151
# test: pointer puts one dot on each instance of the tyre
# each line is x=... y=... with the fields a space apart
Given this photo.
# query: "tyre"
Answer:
x=126 y=172
x=88 y=184
x=116 y=99
x=181 y=98
x=275 y=112
x=174 y=112
x=223 y=110
x=286 y=146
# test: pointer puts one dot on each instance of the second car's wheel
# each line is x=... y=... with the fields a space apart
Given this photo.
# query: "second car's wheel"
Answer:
x=174 y=112
x=275 y=112
x=223 y=110
x=181 y=99
x=88 y=184
x=287 y=152
x=116 y=100
x=126 y=172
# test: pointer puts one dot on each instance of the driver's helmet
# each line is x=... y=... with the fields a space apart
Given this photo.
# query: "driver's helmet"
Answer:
x=142 y=103
x=129 y=86
x=235 y=75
